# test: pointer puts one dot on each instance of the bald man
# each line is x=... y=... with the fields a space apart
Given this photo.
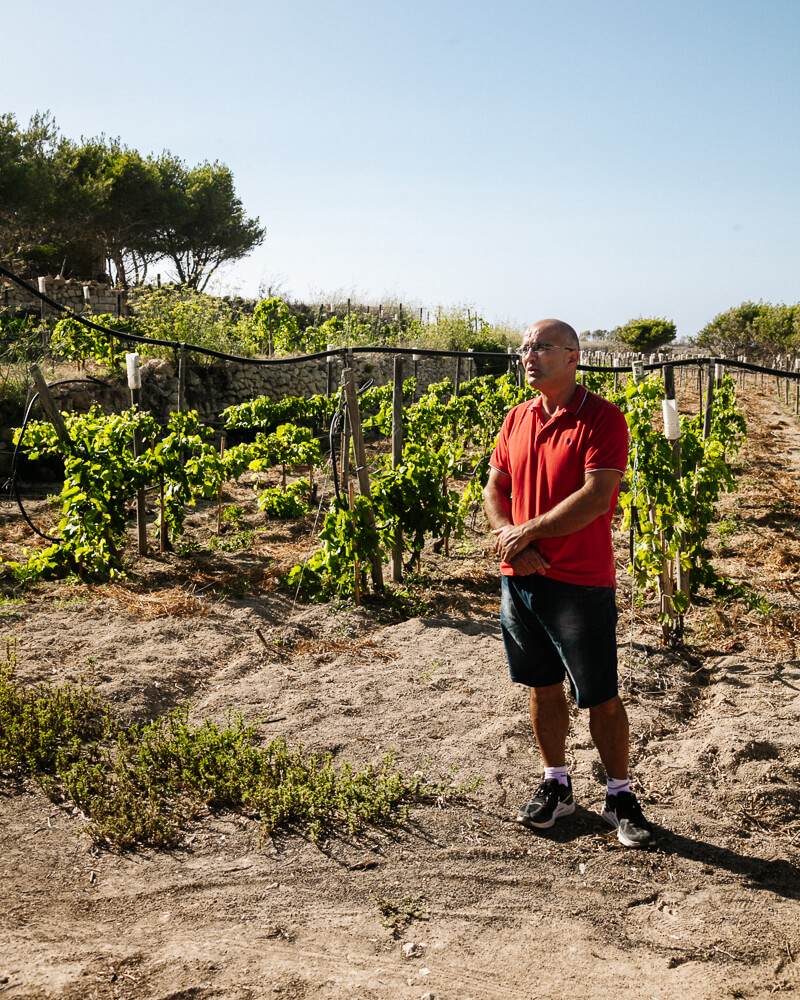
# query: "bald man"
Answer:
x=553 y=485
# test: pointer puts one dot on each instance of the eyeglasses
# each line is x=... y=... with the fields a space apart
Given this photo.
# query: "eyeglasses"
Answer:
x=539 y=348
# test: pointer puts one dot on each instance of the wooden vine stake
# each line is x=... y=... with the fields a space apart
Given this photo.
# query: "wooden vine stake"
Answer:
x=135 y=386
x=164 y=543
x=397 y=456
x=221 y=485
x=360 y=456
x=673 y=575
x=356 y=569
x=49 y=406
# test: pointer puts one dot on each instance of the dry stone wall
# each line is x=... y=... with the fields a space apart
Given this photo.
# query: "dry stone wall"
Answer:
x=93 y=297
x=212 y=388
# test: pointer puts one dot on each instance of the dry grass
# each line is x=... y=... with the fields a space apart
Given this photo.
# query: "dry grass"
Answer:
x=174 y=602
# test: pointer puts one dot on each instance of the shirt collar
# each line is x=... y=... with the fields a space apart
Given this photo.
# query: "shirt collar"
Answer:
x=575 y=403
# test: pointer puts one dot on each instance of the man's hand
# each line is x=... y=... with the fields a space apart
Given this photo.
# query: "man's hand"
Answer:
x=529 y=561
x=510 y=540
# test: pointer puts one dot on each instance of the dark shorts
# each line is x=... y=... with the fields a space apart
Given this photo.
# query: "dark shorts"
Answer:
x=554 y=630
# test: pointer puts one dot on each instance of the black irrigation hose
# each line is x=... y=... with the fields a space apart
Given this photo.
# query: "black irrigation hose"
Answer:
x=339 y=351
x=336 y=428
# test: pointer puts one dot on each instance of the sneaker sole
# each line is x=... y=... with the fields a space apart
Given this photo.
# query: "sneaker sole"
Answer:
x=611 y=819
x=562 y=809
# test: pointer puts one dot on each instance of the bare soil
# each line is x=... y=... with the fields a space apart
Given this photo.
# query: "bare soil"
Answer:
x=711 y=912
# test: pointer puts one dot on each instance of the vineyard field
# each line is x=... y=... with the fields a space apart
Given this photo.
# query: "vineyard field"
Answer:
x=493 y=910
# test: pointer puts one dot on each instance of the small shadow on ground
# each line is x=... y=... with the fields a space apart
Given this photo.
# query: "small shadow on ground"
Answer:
x=776 y=875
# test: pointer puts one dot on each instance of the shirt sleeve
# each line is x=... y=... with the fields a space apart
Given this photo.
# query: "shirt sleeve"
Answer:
x=608 y=442
x=500 y=458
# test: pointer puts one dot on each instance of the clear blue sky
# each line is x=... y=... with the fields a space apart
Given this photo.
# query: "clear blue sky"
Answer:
x=572 y=158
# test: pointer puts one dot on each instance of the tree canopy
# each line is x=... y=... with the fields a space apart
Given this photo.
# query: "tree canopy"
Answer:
x=96 y=208
x=646 y=334
x=753 y=329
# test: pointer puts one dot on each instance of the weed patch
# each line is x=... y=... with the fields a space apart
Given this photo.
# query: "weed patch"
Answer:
x=396 y=916
x=143 y=783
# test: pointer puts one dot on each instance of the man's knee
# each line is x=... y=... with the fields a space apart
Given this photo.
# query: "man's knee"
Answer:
x=610 y=710
x=551 y=694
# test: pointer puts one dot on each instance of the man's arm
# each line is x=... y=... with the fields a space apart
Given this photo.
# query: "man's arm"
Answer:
x=497 y=499
x=497 y=503
x=573 y=513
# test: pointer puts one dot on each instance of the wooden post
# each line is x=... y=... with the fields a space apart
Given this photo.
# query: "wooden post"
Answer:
x=356 y=567
x=163 y=538
x=360 y=455
x=49 y=406
x=219 y=498
x=681 y=576
x=709 y=402
x=458 y=374
x=141 y=511
x=397 y=456
x=345 y=456
x=182 y=379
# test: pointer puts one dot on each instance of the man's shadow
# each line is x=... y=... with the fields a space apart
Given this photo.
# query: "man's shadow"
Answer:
x=777 y=875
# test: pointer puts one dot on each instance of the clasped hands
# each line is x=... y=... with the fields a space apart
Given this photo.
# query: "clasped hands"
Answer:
x=512 y=545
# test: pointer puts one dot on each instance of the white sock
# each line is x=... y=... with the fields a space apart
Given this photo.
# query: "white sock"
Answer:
x=556 y=772
x=616 y=785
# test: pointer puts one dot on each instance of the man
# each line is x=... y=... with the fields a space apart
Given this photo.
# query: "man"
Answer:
x=553 y=485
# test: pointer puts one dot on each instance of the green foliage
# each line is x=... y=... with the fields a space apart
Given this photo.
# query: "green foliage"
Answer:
x=43 y=728
x=288 y=446
x=142 y=783
x=20 y=339
x=753 y=329
x=459 y=328
x=346 y=535
x=101 y=475
x=674 y=516
x=277 y=326
x=646 y=334
x=233 y=514
x=74 y=341
x=203 y=223
x=187 y=316
x=413 y=498
x=189 y=465
x=264 y=414
x=293 y=502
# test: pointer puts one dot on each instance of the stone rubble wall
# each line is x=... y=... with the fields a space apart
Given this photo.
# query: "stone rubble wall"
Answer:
x=92 y=297
x=211 y=389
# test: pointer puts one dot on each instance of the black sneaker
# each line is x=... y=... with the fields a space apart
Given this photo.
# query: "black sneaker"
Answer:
x=624 y=813
x=551 y=800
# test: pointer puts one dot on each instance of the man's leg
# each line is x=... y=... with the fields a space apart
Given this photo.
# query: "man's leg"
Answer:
x=608 y=724
x=550 y=720
x=553 y=798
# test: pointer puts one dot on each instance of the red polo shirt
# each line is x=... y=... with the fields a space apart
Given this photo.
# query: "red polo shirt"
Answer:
x=547 y=462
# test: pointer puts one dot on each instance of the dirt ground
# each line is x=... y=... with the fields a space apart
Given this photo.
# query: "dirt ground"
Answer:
x=711 y=912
